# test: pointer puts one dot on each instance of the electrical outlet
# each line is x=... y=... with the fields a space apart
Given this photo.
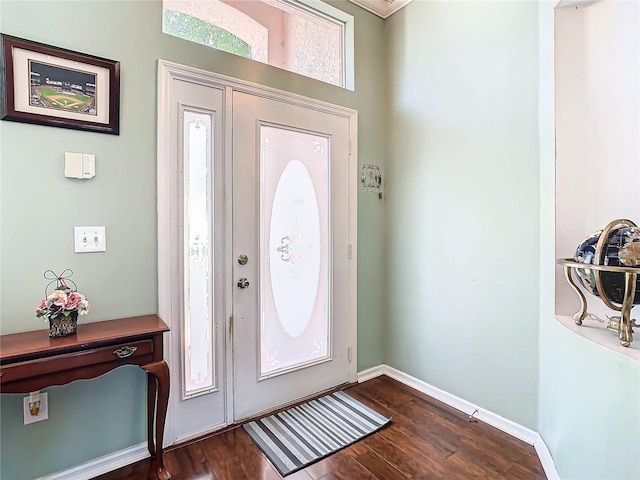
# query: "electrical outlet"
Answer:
x=90 y=239
x=42 y=410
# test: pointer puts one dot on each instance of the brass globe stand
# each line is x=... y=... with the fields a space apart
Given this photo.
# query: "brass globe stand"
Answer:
x=622 y=324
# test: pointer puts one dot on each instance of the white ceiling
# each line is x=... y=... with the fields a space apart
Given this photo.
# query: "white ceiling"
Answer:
x=382 y=8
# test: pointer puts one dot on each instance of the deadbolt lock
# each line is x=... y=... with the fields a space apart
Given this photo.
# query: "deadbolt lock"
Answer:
x=243 y=259
x=243 y=283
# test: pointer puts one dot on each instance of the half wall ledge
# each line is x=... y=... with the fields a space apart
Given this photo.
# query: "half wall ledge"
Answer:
x=599 y=334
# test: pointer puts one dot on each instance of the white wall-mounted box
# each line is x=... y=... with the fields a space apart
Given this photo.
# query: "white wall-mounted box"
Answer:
x=79 y=165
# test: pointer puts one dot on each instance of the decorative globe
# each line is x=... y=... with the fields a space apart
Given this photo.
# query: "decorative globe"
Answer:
x=585 y=253
x=620 y=249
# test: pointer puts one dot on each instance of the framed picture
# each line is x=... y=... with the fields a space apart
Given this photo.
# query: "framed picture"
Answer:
x=53 y=86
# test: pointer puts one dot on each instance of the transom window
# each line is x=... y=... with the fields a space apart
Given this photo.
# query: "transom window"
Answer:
x=307 y=37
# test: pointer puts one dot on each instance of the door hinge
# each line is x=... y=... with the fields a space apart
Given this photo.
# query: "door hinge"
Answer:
x=350 y=147
x=230 y=327
x=350 y=251
x=350 y=354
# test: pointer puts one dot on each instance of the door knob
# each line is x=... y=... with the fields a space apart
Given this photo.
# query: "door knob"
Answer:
x=243 y=283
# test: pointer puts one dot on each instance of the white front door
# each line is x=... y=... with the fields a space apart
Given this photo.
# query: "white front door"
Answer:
x=250 y=173
x=291 y=225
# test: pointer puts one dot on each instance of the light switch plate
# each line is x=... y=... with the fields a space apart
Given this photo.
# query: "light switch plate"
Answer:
x=90 y=239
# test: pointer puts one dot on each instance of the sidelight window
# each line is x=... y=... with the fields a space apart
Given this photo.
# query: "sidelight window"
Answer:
x=198 y=310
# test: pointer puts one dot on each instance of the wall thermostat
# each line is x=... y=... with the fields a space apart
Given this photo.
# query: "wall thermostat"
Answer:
x=79 y=165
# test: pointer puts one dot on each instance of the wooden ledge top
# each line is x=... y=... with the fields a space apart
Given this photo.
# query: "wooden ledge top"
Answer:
x=38 y=342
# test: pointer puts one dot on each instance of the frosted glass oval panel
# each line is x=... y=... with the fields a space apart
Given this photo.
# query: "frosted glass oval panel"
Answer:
x=294 y=251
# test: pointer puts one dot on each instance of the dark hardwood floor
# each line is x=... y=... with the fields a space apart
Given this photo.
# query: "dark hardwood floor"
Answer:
x=426 y=440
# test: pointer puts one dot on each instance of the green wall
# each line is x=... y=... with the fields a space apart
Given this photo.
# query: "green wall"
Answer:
x=463 y=180
x=589 y=406
x=471 y=173
x=40 y=207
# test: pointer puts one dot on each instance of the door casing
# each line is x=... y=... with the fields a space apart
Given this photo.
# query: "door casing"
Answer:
x=168 y=250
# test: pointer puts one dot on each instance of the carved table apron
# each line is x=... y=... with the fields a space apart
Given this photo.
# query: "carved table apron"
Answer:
x=31 y=361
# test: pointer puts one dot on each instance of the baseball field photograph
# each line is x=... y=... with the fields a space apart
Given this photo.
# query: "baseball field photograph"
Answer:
x=62 y=89
x=57 y=87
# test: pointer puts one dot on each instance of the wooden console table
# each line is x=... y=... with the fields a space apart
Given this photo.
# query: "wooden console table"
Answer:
x=31 y=361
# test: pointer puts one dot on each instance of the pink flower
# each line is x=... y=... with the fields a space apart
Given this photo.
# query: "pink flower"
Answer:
x=58 y=297
x=41 y=308
x=83 y=308
x=73 y=301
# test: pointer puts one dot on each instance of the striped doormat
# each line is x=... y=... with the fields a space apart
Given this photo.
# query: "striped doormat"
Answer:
x=304 y=434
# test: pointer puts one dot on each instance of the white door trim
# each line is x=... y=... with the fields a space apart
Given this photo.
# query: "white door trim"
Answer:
x=168 y=242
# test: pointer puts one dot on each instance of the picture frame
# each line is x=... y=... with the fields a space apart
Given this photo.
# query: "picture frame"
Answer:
x=46 y=85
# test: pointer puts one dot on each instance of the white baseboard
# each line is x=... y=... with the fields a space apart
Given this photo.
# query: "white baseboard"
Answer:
x=493 y=419
x=370 y=373
x=102 y=465
x=546 y=459
x=507 y=426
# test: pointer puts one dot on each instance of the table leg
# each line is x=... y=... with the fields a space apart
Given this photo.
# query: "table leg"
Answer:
x=160 y=372
x=152 y=391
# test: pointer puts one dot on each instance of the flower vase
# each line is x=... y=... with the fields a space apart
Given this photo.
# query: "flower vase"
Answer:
x=62 y=325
